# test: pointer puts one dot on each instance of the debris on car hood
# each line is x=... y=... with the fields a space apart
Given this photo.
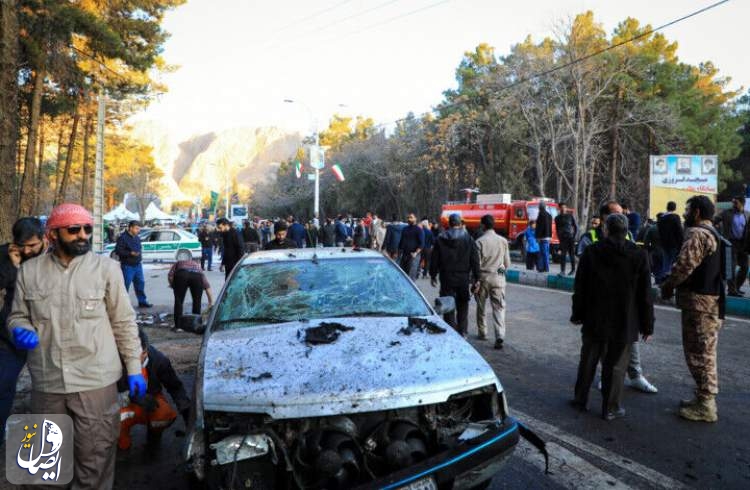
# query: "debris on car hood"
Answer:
x=325 y=333
x=422 y=325
x=361 y=368
x=261 y=376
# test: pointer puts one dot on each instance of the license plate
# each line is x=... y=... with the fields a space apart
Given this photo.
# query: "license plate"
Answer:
x=426 y=483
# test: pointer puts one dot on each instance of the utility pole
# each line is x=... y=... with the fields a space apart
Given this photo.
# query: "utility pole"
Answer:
x=316 y=206
x=98 y=244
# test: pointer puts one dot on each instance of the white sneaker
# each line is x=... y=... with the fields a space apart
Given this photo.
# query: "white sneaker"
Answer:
x=641 y=383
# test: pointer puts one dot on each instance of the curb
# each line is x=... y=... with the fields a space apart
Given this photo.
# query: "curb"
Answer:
x=735 y=306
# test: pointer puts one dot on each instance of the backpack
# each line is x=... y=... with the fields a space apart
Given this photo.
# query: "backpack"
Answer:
x=726 y=270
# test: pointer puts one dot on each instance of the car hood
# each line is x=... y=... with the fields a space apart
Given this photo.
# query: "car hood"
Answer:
x=270 y=369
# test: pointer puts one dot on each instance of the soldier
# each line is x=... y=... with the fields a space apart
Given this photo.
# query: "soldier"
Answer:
x=700 y=295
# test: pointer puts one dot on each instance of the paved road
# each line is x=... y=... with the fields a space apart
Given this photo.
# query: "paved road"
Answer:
x=650 y=448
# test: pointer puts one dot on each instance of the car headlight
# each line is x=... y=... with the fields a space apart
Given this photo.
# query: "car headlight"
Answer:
x=238 y=448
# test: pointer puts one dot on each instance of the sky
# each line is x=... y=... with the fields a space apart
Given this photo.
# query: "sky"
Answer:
x=240 y=59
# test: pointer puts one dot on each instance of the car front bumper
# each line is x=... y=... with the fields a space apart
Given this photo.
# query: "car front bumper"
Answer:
x=466 y=466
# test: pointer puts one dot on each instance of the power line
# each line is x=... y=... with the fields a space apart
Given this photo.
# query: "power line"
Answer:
x=314 y=15
x=340 y=21
x=575 y=61
x=399 y=17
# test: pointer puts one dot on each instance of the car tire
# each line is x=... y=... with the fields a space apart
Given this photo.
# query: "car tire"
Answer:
x=184 y=255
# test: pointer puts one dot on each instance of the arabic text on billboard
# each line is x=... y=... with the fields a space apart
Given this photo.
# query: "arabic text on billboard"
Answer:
x=679 y=177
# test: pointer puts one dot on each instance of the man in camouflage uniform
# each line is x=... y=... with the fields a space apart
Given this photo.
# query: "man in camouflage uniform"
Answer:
x=697 y=276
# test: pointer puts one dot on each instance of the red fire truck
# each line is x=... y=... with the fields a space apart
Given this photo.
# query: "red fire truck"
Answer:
x=511 y=216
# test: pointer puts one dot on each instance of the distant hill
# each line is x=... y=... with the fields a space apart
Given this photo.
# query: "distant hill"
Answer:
x=194 y=167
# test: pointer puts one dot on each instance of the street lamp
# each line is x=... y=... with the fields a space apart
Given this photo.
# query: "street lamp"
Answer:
x=317 y=150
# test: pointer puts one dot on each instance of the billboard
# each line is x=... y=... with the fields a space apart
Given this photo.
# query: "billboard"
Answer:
x=679 y=177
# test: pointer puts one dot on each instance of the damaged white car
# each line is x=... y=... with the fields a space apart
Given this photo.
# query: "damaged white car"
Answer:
x=328 y=369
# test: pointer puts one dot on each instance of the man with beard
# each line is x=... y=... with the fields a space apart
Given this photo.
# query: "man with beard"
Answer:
x=232 y=243
x=697 y=275
x=72 y=313
x=280 y=242
x=28 y=242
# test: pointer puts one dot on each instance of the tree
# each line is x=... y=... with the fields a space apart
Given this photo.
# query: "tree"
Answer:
x=8 y=110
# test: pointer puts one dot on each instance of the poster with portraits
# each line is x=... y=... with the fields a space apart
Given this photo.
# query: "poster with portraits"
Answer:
x=678 y=177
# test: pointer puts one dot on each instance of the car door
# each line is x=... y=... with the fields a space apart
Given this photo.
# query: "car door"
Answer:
x=166 y=244
x=148 y=245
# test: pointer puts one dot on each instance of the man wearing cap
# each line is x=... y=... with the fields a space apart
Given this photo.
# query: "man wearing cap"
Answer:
x=71 y=312
x=455 y=259
x=128 y=249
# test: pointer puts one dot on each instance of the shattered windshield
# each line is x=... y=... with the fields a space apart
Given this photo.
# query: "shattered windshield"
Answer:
x=295 y=290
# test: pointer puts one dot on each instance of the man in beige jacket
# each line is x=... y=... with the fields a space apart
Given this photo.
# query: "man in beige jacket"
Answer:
x=72 y=314
x=494 y=261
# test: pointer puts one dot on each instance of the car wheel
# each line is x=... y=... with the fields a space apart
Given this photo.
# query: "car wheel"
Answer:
x=184 y=255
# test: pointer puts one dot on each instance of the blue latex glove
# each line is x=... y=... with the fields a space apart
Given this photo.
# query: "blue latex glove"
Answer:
x=137 y=385
x=24 y=338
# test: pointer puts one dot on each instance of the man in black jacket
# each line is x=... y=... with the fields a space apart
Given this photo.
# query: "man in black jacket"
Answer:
x=734 y=226
x=250 y=236
x=411 y=245
x=671 y=235
x=612 y=302
x=567 y=231
x=280 y=241
x=543 y=236
x=328 y=233
x=232 y=245
x=455 y=258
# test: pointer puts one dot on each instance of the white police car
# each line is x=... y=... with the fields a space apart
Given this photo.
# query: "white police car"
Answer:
x=165 y=244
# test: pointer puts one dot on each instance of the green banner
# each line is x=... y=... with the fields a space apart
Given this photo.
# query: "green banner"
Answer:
x=214 y=201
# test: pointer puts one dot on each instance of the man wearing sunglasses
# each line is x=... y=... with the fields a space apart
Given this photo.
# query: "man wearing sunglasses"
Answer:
x=28 y=242
x=72 y=314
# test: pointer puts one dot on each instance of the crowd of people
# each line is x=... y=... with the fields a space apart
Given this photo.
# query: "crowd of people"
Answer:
x=66 y=312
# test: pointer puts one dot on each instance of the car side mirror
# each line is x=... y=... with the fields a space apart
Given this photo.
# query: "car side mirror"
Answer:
x=192 y=323
x=445 y=305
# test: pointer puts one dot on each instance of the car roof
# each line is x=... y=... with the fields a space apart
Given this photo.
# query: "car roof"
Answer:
x=295 y=254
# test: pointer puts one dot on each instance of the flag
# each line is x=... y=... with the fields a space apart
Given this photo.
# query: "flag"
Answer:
x=298 y=169
x=337 y=172
x=214 y=200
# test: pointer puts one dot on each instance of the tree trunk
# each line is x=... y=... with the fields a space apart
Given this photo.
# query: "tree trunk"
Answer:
x=85 y=167
x=8 y=111
x=39 y=168
x=68 y=159
x=59 y=160
x=613 y=163
x=27 y=177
